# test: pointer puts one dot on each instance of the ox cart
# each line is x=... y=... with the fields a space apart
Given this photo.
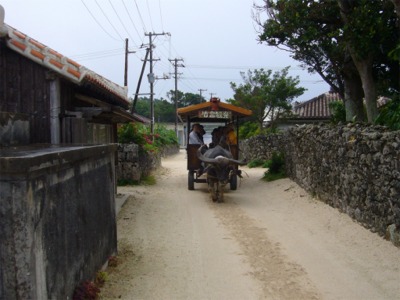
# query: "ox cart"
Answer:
x=217 y=163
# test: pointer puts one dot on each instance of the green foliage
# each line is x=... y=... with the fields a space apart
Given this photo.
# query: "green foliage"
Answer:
x=395 y=53
x=338 y=112
x=139 y=134
x=248 y=129
x=276 y=167
x=390 y=114
x=148 y=180
x=129 y=133
x=271 y=177
x=101 y=278
x=165 y=136
x=321 y=35
x=185 y=99
x=266 y=93
x=127 y=182
x=164 y=110
x=256 y=163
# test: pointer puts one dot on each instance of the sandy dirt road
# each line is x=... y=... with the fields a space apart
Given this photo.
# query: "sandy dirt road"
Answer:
x=267 y=241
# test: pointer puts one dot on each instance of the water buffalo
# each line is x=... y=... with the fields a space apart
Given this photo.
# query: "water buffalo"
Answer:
x=220 y=167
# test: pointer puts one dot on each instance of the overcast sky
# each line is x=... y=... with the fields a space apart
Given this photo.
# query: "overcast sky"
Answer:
x=216 y=39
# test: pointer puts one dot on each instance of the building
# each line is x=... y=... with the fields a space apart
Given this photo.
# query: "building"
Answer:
x=315 y=110
x=46 y=97
x=58 y=126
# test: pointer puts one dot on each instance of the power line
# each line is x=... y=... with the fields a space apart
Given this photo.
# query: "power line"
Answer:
x=122 y=23
x=239 y=67
x=140 y=16
x=108 y=20
x=103 y=52
x=98 y=23
x=151 y=20
x=162 y=23
x=133 y=23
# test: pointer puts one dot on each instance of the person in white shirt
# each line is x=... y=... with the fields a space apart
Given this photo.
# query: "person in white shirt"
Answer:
x=195 y=135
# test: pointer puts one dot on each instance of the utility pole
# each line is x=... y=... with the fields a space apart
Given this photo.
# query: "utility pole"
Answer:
x=126 y=62
x=176 y=65
x=201 y=90
x=139 y=82
x=151 y=76
x=212 y=94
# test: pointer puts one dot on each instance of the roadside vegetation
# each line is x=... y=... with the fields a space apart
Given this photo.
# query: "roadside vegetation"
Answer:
x=275 y=166
x=140 y=134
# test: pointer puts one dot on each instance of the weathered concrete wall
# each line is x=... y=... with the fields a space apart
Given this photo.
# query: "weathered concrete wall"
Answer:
x=57 y=219
x=134 y=164
x=14 y=129
x=354 y=168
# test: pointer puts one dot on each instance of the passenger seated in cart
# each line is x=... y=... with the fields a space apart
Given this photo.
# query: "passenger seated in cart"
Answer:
x=224 y=136
x=229 y=132
x=195 y=136
x=215 y=137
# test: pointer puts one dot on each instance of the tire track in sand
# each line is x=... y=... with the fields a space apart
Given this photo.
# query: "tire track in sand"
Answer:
x=280 y=278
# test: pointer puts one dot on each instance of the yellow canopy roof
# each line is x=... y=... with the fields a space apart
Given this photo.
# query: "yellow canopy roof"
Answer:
x=213 y=109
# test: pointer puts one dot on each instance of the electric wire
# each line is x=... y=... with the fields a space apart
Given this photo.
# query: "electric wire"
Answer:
x=140 y=16
x=101 y=9
x=161 y=18
x=122 y=23
x=98 y=23
x=98 y=54
x=241 y=67
x=151 y=20
x=133 y=23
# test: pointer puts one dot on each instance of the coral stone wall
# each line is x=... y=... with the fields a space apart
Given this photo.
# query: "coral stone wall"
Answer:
x=134 y=164
x=355 y=168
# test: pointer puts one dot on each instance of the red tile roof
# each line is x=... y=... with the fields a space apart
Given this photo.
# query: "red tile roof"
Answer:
x=317 y=107
x=61 y=64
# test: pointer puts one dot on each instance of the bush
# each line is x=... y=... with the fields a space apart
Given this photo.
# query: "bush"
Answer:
x=390 y=114
x=139 y=134
x=338 y=112
x=248 y=129
x=276 y=167
x=256 y=163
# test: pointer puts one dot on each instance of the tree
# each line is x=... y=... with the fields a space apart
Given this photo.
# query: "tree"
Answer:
x=143 y=107
x=164 y=111
x=310 y=31
x=185 y=99
x=346 y=42
x=267 y=94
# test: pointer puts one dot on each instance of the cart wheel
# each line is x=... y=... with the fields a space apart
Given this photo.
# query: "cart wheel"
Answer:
x=191 y=180
x=233 y=182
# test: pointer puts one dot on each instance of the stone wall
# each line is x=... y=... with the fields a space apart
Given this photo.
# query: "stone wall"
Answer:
x=134 y=164
x=57 y=218
x=354 y=168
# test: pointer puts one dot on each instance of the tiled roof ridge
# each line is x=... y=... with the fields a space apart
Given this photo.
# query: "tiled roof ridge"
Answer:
x=61 y=64
x=331 y=95
x=317 y=106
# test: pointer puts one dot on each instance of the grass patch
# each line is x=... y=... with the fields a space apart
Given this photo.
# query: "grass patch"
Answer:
x=273 y=176
x=148 y=180
x=256 y=163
